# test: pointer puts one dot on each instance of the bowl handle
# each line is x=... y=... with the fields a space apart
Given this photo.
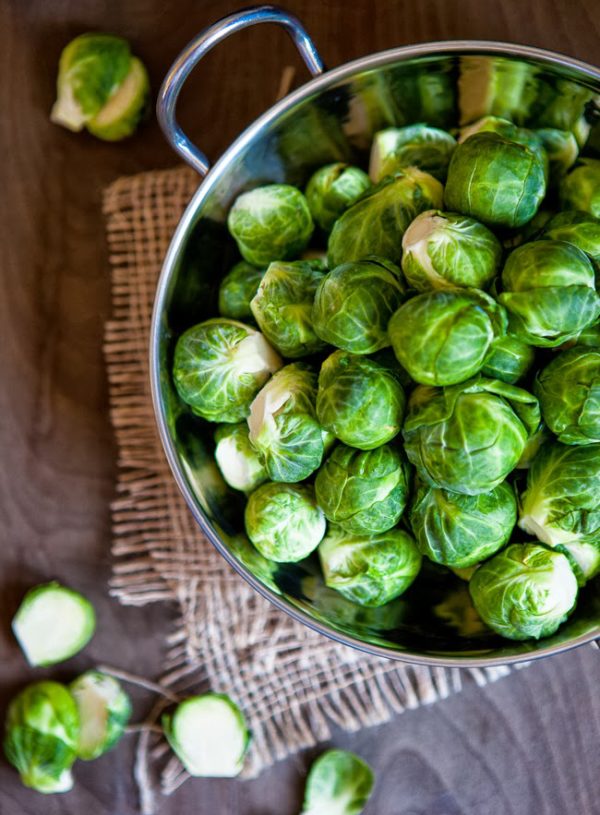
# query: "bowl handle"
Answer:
x=201 y=45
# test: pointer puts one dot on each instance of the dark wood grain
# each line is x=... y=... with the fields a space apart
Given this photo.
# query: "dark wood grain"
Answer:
x=528 y=744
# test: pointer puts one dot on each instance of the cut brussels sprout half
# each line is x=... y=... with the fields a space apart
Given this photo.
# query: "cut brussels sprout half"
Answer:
x=237 y=289
x=121 y=115
x=580 y=188
x=104 y=710
x=53 y=623
x=209 y=735
x=41 y=731
x=270 y=223
x=239 y=463
x=419 y=145
x=509 y=360
x=339 y=783
x=524 y=592
x=332 y=189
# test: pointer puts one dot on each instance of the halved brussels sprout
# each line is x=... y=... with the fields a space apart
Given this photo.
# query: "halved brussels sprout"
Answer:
x=237 y=289
x=580 y=188
x=354 y=302
x=332 y=189
x=569 y=393
x=419 y=145
x=283 y=303
x=369 y=569
x=376 y=223
x=549 y=292
x=270 y=223
x=467 y=438
x=339 y=783
x=509 y=359
x=284 y=522
x=359 y=400
x=495 y=180
x=219 y=367
x=526 y=591
x=238 y=461
x=363 y=491
x=104 y=710
x=41 y=731
x=443 y=337
x=495 y=86
x=577 y=228
x=283 y=425
x=461 y=530
x=441 y=250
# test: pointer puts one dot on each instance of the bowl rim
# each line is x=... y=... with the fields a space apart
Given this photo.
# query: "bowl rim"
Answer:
x=317 y=84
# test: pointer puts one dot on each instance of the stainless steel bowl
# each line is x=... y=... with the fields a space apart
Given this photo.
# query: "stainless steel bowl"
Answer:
x=331 y=117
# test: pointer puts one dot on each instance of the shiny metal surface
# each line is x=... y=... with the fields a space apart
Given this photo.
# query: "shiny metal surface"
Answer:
x=332 y=117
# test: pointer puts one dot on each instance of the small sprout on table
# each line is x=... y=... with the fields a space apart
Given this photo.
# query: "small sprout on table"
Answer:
x=104 y=710
x=339 y=783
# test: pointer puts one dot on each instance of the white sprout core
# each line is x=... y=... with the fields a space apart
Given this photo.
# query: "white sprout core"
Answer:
x=254 y=355
x=384 y=143
x=415 y=242
x=535 y=524
x=269 y=400
x=66 y=111
x=234 y=465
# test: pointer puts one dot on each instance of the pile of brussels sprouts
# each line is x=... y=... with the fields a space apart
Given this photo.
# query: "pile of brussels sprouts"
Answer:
x=428 y=387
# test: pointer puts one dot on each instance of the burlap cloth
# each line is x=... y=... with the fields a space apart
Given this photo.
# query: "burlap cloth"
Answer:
x=292 y=683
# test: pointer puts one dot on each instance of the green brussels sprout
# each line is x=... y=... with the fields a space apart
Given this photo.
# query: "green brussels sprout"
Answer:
x=359 y=400
x=467 y=438
x=580 y=188
x=561 y=148
x=508 y=130
x=237 y=289
x=100 y=86
x=363 y=491
x=369 y=569
x=209 y=735
x=569 y=393
x=339 y=783
x=354 y=302
x=495 y=86
x=104 y=710
x=560 y=504
x=443 y=337
x=420 y=145
x=219 y=367
x=283 y=303
x=496 y=180
x=53 y=623
x=283 y=425
x=284 y=522
x=590 y=336
x=239 y=463
x=374 y=225
x=549 y=292
x=560 y=104
x=461 y=530
x=441 y=250
x=580 y=229
x=41 y=732
x=332 y=189
x=270 y=223
x=526 y=591
x=509 y=360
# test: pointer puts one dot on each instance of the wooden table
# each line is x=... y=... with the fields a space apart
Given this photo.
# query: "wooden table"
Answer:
x=525 y=746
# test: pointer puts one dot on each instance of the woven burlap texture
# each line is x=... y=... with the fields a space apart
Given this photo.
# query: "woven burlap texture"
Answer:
x=292 y=683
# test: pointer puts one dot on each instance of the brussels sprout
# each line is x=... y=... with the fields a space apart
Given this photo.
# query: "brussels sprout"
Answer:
x=239 y=463
x=53 y=623
x=495 y=180
x=284 y=522
x=363 y=492
x=219 y=367
x=397 y=148
x=359 y=400
x=462 y=530
x=283 y=425
x=104 y=710
x=580 y=188
x=376 y=223
x=590 y=336
x=508 y=130
x=237 y=289
x=339 y=783
x=270 y=223
x=442 y=249
x=569 y=393
x=549 y=292
x=561 y=148
x=354 y=302
x=283 y=303
x=209 y=735
x=577 y=228
x=532 y=447
x=126 y=108
x=525 y=591
x=332 y=189
x=443 y=337
x=495 y=86
x=467 y=438
x=509 y=359
x=369 y=569
x=42 y=726
x=560 y=104
x=560 y=504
